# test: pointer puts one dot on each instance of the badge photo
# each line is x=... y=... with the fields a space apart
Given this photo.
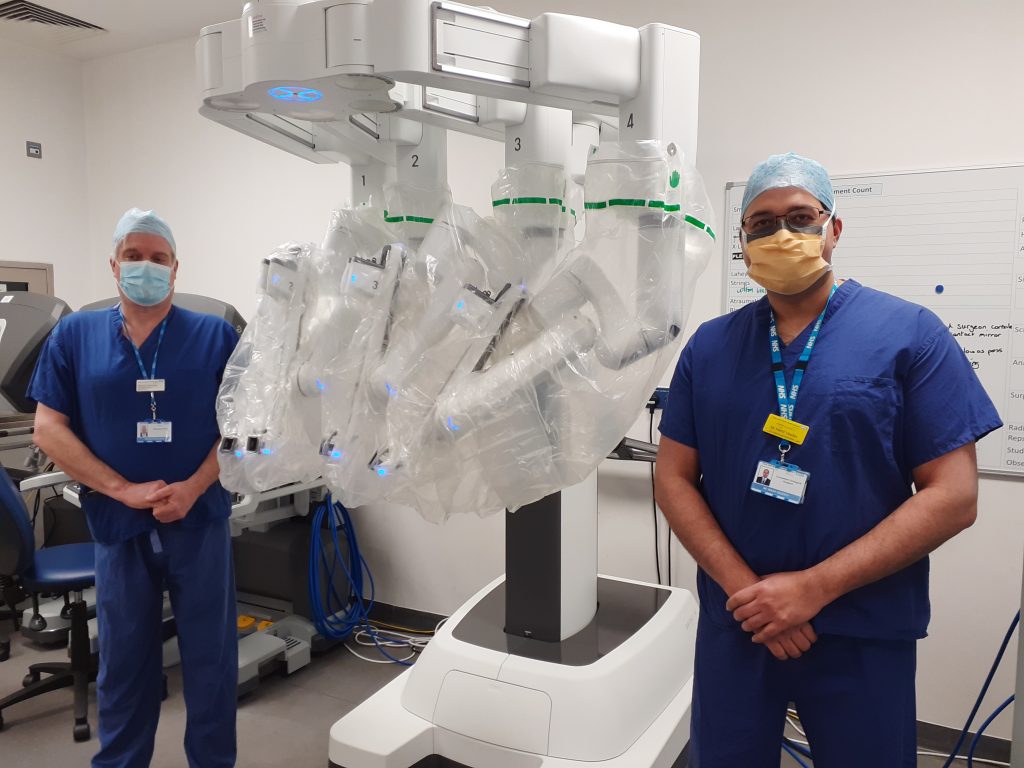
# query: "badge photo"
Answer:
x=786 y=482
x=153 y=432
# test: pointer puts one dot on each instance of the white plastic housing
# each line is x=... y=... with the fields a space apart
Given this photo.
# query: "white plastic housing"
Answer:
x=665 y=108
x=579 y=556
x=545 y=136
x=597 y=711
x=454 y=66
x=579 y=58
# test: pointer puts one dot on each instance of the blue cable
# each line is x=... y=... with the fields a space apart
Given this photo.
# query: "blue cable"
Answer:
x=984 y=689
x=340 y=617
x=792 y=753
x=798 y=747
x=334 y=616
x=977 y=737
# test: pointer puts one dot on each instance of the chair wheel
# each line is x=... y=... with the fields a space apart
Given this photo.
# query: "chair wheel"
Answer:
x=37 y=624
x=29 y=679
x=82 y=732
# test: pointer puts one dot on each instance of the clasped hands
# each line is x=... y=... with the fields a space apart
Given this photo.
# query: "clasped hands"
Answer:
x=169 y=502
x=778 y=610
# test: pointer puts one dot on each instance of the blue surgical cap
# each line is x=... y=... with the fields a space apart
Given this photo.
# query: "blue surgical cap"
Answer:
x=790 y=170
x=146 y=222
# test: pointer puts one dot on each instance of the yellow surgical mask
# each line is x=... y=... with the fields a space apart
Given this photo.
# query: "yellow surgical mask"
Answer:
x=787 y=262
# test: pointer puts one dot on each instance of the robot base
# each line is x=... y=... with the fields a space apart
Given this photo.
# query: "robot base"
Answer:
x=615 y=695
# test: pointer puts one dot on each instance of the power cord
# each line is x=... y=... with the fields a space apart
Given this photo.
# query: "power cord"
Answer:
x=668 y=532
x=977 y=737
x=340 y=618
x=654 y=511
x=954 y=754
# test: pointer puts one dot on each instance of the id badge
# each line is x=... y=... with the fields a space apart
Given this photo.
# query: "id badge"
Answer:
x=150 y=385
x=153 y=432
x=786 y=482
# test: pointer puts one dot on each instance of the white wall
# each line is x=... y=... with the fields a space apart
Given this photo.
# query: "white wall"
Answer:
x=43 y=202
x=868 y=87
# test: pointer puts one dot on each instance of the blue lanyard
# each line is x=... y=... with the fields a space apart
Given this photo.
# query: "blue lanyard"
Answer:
x=156 y=354
x=787 y=403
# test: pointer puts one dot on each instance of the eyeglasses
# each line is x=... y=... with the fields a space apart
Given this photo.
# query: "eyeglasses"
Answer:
x=805 y=218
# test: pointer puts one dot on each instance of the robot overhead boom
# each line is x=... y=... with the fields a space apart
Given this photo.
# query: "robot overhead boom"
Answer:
x=346 y=82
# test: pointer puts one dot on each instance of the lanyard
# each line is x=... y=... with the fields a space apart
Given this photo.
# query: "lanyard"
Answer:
x=156 y=354
x=787 y=403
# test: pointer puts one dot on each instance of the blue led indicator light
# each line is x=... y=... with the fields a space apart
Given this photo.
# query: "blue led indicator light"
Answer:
x=275 y=279
x=320 y=385
x=940 y=288
x=238 y=454
x=391 y=390
x=460 y=305
x=452 y=425
x=335 y=454
x=353 y=278
x=295 y=94
x=382 y=471
x=266 y=451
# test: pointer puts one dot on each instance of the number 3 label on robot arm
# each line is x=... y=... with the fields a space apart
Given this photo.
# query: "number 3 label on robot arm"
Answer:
x=362 y=276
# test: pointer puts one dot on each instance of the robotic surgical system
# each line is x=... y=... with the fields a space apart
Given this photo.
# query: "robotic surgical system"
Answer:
x=455 y=363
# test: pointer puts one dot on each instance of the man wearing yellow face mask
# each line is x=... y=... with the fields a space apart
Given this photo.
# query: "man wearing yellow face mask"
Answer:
x=814 y=588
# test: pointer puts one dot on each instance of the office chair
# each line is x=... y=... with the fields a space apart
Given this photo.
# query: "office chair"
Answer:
x=10 y=596
x=66 y=569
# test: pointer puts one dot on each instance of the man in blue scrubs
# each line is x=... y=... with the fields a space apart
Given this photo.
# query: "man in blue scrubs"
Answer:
x=126 y=406
x=814 y=589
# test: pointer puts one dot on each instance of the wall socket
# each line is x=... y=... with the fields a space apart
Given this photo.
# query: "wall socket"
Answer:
x=34 y=149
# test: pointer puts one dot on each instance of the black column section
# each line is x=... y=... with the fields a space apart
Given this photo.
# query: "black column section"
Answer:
x=533 y=570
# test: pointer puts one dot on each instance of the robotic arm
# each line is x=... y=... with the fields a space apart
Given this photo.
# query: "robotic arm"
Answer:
x=472 y=364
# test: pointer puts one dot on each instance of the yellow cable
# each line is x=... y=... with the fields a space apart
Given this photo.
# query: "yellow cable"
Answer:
x=401 y=629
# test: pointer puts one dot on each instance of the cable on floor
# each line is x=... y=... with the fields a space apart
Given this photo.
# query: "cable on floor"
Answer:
x=344 y=618
x=977 y=737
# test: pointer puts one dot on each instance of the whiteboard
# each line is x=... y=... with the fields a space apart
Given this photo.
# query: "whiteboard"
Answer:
x=952 y=241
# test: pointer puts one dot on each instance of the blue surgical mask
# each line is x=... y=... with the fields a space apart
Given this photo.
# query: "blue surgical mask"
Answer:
x=144 y=282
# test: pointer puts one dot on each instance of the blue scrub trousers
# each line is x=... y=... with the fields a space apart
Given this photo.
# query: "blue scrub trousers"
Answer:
x=855 y=697
x=194 y=565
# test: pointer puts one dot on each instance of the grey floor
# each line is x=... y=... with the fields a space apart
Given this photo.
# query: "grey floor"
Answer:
x=922 y=760
x=284 y=722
